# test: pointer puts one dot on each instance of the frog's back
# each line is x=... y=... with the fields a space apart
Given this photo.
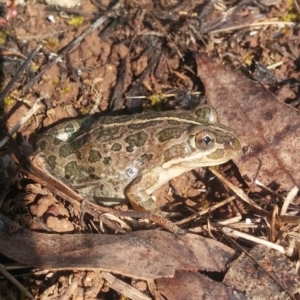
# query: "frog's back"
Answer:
x=119 y=147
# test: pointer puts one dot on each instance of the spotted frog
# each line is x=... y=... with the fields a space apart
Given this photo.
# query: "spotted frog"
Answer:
x=114 y=157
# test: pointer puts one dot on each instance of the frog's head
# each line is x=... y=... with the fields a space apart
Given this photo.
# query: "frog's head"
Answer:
x=213 y=145
x=206 y=145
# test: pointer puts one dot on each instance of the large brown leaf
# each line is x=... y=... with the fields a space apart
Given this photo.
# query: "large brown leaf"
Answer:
x=268 y=129
x=245 y=276
x=144 y=254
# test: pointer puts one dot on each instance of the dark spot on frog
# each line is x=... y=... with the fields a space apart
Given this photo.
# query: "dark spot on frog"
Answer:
x=144 y=158
x=75 y=172
x=42 y=145
x=52 y=132
x=170 y=133
x=222 y=138
x=94 y=156
x=117 y=119
x=65 y=150
x=203 y=114
x=79 y=142
x=106 y=135
x=72 y=170
x=51 y=161
x=217 y=154
x=107 y=161
x=116 y=147
x=136 y=140
x=175 y=151
x=267 y=115
x=56 y=141
x=73 y=146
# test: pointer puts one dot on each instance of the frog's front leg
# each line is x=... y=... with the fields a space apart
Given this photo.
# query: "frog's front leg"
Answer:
x=139 y=191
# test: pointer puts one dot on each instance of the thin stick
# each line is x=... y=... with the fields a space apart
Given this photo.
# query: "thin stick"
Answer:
x=78 y=40
x=240 y=193
x=205 y=211
x=238 y=234
x=20 y=71
x=37 y=105
x=259 y=24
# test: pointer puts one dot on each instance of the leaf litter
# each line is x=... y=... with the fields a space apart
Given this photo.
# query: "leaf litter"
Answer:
x=129 y=60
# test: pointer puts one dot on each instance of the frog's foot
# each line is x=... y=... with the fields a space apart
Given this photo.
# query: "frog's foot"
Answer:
x=158 y=216
x=148 y=205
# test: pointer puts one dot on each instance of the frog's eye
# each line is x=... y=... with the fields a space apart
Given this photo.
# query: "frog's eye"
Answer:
x=204 y=140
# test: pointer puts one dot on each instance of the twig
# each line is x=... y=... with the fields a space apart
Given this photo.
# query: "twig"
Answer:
x=239 y=192
x=78 y=40
x=37 y=105
x=259 y=24
x=205 y=211
x=297 y=6
x=20 y=71
x=238 y=234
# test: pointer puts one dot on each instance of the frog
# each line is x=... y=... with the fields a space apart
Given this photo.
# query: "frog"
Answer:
x=112 y=158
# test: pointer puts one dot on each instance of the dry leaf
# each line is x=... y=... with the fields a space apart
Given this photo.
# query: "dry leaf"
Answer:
x=143 y=255
x=245 y=276
x=268 y=129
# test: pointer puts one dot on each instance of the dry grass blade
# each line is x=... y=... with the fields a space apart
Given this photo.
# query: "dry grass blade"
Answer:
x=78 y=40
x=239 y=192
x=37 y=105
x=289 y=198
x=205 y=211
x=123 y=288
x=19 y=72
x=237 y=234
x=15 y=282
x=255 y=24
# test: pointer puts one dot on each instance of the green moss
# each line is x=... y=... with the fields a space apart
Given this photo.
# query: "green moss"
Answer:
x=76 y=21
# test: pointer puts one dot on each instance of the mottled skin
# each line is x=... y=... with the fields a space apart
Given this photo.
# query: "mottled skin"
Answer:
x=116 y=157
